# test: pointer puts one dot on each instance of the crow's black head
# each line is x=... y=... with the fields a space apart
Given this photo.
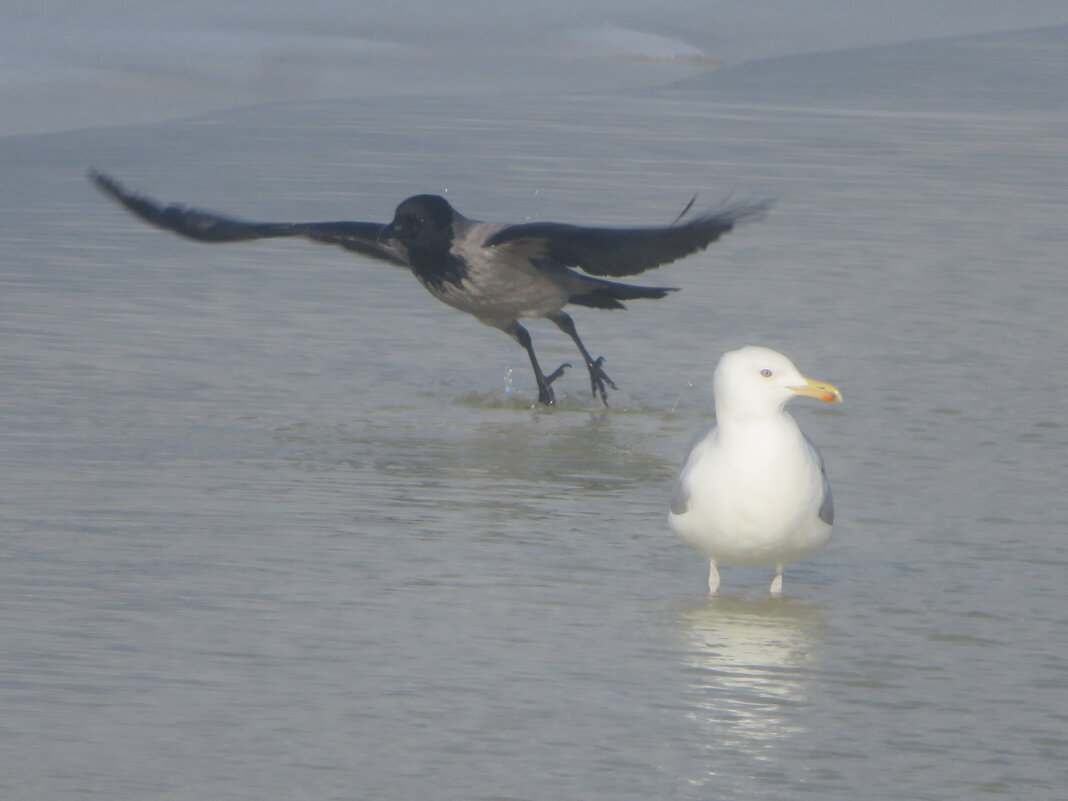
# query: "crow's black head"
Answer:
x=422 y=223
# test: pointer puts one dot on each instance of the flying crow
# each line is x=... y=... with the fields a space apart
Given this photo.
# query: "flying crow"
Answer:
x=498 y=272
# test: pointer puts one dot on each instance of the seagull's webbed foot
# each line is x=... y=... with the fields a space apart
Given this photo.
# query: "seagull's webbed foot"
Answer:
x=776 y=583
x=599 y=380
x=713 y=579
x=545 y=389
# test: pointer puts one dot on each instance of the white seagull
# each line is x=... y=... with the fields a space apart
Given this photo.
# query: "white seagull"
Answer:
x=754 y=491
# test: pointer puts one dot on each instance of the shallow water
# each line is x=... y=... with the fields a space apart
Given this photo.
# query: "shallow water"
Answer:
x=278 y=525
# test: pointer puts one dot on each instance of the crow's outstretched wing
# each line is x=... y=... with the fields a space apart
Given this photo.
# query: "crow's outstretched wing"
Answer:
x=625 y=251
x=204 y=226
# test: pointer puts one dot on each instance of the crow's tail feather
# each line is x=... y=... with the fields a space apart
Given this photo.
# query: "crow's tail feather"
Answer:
x=600 y=294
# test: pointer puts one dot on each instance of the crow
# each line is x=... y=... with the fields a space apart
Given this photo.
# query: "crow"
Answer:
x=498 y=272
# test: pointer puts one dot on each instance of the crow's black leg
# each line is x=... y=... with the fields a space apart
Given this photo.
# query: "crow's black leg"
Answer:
x=598 y=377
x=545 y=390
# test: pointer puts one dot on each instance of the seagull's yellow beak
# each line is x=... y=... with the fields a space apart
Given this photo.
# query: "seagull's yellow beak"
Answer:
x=819 y=389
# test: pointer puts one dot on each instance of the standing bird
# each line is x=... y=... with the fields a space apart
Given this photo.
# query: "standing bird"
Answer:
x=754 y=491
x=497 y=272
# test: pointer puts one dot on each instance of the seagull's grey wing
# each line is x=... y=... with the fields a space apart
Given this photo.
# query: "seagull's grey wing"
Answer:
x=680 y=498
x=203 y=226
x=626 y=251
x=827 y=507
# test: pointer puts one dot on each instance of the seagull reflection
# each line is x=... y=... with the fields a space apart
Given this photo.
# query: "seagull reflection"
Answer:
x=750 y=663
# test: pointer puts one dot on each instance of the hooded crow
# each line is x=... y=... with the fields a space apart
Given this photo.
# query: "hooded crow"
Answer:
x=497 y=272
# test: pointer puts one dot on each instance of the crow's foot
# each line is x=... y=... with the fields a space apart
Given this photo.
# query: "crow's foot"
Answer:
x=599 y=379
x=545 y=389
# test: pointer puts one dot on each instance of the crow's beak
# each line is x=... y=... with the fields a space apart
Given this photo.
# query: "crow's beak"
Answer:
x=388 y=232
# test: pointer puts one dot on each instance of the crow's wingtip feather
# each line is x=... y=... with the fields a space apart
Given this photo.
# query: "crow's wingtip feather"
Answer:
x=749 y=211
x=105 y=183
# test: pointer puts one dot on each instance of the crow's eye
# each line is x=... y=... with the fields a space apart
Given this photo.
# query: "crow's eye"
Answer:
x=766 y=373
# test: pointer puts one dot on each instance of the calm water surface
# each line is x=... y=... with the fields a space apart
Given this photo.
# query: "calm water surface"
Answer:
x=277 y=525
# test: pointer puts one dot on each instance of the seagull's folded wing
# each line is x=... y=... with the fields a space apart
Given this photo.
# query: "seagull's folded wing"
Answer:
x=827 y=507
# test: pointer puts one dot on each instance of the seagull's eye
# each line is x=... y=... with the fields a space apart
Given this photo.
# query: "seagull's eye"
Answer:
x=766 y=373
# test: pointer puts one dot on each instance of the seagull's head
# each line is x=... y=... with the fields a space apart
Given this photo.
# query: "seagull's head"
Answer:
x=422 y=222
x=755 y=381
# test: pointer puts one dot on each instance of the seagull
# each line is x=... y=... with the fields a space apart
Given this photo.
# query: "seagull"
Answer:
x=753 y=490
x=500 y=273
